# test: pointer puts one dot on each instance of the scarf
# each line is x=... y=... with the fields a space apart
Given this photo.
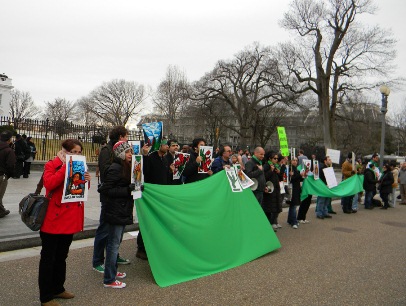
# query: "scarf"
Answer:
x=62 y=155
x=257 y=160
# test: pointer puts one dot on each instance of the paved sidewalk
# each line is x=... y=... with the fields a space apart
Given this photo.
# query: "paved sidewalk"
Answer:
x=14 y=234
x=351 y=259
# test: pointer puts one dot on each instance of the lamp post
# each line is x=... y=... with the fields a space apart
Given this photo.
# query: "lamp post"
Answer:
x=385 y=91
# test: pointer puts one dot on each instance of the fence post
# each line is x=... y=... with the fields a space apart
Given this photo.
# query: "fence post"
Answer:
x=44 y=140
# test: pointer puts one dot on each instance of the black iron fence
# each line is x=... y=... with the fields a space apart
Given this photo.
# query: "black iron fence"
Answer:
x=47 y=135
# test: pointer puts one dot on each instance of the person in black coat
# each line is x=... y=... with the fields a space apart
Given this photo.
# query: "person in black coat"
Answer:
x=295 y=179
x=271 y=203
x=385 y=185
x=22 y=152
x=191 y=173
x=118 y=206
x=369 y=185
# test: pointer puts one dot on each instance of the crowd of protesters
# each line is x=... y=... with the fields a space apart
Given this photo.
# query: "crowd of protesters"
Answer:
x=272 y=173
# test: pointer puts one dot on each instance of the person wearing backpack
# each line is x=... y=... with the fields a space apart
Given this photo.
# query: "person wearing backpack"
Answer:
x=7 y=163
x=62 y=220
x=106 y=158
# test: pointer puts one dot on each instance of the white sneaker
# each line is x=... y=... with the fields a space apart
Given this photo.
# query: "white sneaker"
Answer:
x=116 y=284
x=274 y=226
x=304 y=221
x=295 y=226
x=278 y=225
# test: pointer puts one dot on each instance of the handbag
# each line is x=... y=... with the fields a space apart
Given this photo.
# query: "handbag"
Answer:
x=33 y=207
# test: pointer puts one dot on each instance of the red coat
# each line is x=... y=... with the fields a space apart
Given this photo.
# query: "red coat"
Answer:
x=61 y=218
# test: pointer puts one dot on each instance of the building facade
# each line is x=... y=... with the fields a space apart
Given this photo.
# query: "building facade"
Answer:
x=5 y=94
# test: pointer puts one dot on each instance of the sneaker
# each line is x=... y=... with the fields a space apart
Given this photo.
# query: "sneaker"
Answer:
x=274 y=226
x=295 y=226
x=116 y=284
x=278 y=225
x=304 y=221
x=121 y=274
x=123 y=261
x=99 y=268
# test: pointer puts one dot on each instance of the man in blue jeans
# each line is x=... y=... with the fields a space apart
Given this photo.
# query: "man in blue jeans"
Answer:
x=323 y=202
x=106 y=156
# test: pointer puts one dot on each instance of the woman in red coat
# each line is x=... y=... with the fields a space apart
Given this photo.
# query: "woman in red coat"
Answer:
x=61 y=221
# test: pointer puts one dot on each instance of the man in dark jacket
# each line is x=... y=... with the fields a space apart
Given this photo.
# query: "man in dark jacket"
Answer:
x=106 y=158
x=223 y=159
x=7 y=163
x=254 y=170
x=369 y=185
x=156 y=170
x=22 y=152
x=170 y=158
x=191 y=169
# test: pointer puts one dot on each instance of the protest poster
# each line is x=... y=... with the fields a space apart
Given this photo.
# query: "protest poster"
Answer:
x=307 y=164
x=316 y=169
x=153 y=135
x=330 y=177
x=334 y=155
x=137 y=177
x=233 y=179
x=136 y=145
x=76 y=188
x=180 y=162
x=283 y=141
x=245 y=181
x=206 y=153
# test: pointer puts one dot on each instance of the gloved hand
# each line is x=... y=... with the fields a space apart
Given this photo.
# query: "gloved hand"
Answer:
x=131 y=187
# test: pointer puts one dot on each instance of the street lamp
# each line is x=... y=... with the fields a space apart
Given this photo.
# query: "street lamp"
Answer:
x=385 y=91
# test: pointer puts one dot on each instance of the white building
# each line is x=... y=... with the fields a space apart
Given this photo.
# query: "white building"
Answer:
x=5 y=94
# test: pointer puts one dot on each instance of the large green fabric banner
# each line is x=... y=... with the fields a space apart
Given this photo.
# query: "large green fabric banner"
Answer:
x=346 y=188
x=202 y=228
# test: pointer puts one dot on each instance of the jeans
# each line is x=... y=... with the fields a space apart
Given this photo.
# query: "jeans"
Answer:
x=292 y=217
x=52 y=265
x=100 y=242
x=355 y=202
x=322 y=206
x=115 y=233
x=392 y=197
x=368 y=198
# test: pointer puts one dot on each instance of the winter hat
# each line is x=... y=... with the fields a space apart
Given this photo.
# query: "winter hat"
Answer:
x=120 y=148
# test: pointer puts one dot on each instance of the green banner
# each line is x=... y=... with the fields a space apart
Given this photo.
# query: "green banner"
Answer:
x=202 y=228
x=346 y=188
x=283 y=141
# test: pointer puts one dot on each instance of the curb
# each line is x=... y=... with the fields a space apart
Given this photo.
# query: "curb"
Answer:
x=32 y=240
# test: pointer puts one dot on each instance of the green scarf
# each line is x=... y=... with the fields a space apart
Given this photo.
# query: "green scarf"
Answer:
x=257 y=160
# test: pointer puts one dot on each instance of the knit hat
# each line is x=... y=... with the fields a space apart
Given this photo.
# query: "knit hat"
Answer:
x=120 y=148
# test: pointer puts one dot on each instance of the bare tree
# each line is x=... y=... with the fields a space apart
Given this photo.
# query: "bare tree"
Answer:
x=171 y=95
x=84 y=112
x=22 y=106
x=334 y=53
x=59 y=110
x=267 y=122
x=116 y=102
x=247 y=85
x=398 y=121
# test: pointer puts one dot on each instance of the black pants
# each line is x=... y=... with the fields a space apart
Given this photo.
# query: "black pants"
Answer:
x=140 y=242
x=303 y=208
x=18 y=169
x=26 y=169
x=52 y=265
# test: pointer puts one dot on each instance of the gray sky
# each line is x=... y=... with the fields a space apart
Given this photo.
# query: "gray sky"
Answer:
x=67 y=48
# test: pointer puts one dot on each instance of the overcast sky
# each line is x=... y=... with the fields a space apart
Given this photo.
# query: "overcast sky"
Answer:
x=67 y=48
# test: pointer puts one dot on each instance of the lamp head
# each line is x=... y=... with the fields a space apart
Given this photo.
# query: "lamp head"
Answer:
x=385 y=90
